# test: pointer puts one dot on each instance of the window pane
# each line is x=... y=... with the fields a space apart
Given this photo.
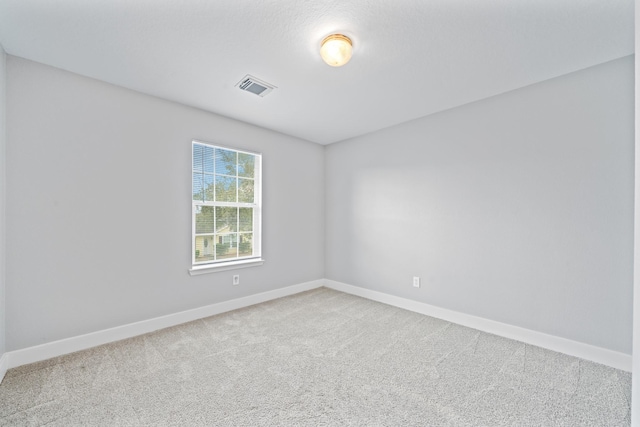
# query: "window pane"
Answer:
x=226 y=162
x=225 y=189
x=208 y=188
x=246 y=219
x=245 y=247
x=207 y=159
x=205 y=247
x=197 y=186
x=226 y=216
x=245 y=190
x=226 y=220
x=227 y=246
x=205 y=220
x=197 y=157
x=246 y=165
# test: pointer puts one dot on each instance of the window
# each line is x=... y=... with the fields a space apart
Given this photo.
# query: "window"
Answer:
x=226 y=206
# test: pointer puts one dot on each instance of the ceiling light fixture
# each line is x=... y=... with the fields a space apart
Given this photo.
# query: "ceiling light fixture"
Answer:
x=336 y=50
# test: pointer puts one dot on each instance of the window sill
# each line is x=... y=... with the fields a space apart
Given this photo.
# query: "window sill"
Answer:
x=231 y=265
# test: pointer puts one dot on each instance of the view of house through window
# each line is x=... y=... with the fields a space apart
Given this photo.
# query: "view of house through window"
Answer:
x=226 y=204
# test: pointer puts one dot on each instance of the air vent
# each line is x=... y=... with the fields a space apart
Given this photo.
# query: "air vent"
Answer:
x=256 y=86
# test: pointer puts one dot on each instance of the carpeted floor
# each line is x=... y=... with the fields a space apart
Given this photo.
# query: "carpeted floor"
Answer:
x=318 y=358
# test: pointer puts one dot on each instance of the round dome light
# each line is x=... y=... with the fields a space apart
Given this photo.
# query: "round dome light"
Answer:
x=336 y=50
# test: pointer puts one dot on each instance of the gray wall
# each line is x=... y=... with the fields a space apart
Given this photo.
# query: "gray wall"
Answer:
x=516 y=208
x=635 y=388
x=99 y=210
x=3 y=79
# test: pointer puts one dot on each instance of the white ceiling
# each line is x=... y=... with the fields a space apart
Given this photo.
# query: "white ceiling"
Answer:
x=411 y=57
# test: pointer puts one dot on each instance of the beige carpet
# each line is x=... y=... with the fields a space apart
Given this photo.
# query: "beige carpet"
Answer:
x=320 y=358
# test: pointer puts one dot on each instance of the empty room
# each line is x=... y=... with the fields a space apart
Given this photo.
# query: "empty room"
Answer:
x=274 y=213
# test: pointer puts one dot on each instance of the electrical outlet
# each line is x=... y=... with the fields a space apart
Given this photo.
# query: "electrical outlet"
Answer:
x=416 y=282
x=236 y=279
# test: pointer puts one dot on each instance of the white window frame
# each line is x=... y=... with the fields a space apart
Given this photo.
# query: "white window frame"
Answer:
x=202 y=267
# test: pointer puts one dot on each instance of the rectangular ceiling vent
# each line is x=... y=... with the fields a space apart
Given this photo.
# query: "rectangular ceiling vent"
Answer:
x=253 y=85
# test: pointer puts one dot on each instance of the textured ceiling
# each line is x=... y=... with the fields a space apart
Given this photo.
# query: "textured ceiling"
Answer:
x=411 y=57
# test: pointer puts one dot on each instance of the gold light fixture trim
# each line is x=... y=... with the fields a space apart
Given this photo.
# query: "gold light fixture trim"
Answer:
x=336 y=50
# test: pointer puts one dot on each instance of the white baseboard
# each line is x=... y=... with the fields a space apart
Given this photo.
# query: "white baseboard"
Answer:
x=37 y=353
x=4 y=366
x=600 y=355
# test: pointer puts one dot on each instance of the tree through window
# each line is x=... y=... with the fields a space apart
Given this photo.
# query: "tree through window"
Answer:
x=226 y=204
